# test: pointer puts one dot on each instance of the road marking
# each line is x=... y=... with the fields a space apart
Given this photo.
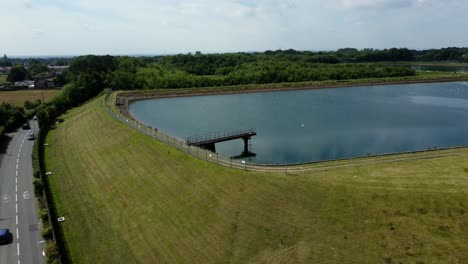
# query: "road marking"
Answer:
x=42 y=241
x=26 y=195
x=16 y=199
x=43 y=253
x=6 y=198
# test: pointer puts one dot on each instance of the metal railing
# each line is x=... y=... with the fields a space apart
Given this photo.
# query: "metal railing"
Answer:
x=176 y=142
x=213 y=136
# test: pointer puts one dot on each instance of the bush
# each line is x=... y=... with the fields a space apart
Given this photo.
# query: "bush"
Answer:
x=32 y=105
x=44 y=215
x=38 y=187
x=51 y=252
x=47 y=233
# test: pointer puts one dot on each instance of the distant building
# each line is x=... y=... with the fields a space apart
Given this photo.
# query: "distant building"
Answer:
x=44 y=84
x=56 y=70
x=40 y=84
x=25 y=84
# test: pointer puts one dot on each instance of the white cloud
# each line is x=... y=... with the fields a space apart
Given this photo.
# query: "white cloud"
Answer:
x=380 y=3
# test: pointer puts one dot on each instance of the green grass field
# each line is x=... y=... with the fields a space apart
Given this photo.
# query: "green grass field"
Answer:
x=130 y=199
x=19 y=97
x=3 y=78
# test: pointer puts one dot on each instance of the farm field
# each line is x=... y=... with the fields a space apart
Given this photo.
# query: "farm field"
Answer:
x=130 y=199
x=19 y=97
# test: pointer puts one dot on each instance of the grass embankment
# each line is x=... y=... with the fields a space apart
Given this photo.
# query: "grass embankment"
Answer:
x=130 y=199
x=19 y=97
x=3 y=78
x=420 y=77
x=430 y=63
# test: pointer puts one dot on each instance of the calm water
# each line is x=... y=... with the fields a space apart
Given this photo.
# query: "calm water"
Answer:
x=313 y=125
x=440 y=68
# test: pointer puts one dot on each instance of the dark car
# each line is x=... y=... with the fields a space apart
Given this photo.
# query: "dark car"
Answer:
x=5 y=236
x=26 y=126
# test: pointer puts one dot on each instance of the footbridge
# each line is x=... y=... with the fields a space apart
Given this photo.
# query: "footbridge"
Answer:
x=209 y=140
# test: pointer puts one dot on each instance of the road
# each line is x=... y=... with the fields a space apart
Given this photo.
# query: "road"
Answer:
x=18 y=206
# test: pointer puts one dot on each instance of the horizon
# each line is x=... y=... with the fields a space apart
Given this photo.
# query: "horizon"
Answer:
x=41 y=56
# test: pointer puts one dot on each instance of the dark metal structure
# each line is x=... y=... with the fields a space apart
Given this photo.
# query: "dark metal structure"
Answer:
x=209 y=140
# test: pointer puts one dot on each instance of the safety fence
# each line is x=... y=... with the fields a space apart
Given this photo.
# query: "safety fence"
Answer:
x=296 y=168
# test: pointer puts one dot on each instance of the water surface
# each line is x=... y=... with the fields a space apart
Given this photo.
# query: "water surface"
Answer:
x=324 y=124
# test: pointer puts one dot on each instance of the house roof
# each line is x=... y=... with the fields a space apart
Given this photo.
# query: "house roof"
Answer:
x=24 y=83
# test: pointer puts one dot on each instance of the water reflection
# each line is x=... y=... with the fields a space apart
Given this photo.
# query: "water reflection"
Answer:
x=312 y=125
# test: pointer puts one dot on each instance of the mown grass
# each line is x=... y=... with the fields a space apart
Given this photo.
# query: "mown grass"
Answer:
x=130 y=199
x=19 y=97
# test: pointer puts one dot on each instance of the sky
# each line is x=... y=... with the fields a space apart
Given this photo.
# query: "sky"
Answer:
x=136 y=27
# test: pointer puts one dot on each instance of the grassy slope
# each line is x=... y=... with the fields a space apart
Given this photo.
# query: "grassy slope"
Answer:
x=130 y=199
x=3 y=78
x=19 y=97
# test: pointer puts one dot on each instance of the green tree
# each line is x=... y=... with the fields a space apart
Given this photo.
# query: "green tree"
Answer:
x=17 y=73
x=4 y=61
x=37 y=68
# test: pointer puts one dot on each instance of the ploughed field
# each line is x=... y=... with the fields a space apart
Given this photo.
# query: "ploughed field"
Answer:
x=130 y=199
x=19 y=97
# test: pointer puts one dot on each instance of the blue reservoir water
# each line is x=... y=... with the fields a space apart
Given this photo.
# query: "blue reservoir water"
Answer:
x=324 y=124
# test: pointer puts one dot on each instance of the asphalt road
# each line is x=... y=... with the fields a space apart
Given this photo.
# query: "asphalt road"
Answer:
x=18 y=206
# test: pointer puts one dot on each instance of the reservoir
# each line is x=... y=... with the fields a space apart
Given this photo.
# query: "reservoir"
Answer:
x=320 y=124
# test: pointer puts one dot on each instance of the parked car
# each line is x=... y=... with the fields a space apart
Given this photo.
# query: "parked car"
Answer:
x=26 y=126
x=31 y=136
x=5 y=236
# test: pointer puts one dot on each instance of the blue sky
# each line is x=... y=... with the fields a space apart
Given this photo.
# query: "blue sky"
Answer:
x=59 y=27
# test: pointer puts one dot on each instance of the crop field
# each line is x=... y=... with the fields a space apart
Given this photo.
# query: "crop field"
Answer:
x=130 y=199
x=19 y=97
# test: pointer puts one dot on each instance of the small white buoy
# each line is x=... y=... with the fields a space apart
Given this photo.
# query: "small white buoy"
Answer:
x=302 y=125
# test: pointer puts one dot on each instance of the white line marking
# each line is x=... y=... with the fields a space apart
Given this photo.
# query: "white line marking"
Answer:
x=43 y=253
x=26 y=195
x=16 y=199
x=42 y=241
